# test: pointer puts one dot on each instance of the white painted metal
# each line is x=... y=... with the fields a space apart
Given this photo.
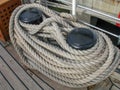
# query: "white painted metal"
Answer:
x=93 y=10
x=74 y=7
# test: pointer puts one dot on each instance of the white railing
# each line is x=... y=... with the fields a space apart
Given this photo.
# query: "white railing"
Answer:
x=72 y=6
x=115 y=19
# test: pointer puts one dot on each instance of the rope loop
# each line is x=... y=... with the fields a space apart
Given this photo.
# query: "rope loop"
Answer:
x=44 y=47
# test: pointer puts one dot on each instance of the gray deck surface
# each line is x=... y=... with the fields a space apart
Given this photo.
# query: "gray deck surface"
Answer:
x=14 y=77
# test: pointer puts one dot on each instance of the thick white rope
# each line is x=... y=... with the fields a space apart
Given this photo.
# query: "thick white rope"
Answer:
x=44 y=48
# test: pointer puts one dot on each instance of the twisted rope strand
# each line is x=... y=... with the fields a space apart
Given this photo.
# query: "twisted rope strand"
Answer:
x=44 y=48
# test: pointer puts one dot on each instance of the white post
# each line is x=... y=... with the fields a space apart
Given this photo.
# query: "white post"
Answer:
x=74 y=4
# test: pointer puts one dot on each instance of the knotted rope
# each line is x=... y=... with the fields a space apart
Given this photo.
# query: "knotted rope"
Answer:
x=44 y=48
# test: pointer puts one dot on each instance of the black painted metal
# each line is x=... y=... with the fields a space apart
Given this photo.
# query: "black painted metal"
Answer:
x=81 y=38
x=31 y=16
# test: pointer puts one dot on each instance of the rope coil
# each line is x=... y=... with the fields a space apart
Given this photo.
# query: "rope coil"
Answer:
x=44 y=48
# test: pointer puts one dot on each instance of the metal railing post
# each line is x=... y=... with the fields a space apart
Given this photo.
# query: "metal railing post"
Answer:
x=115 y=19
x=74 y=4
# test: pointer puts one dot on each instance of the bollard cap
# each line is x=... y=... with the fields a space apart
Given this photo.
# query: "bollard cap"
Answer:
x=31 y=16
x=81 y=38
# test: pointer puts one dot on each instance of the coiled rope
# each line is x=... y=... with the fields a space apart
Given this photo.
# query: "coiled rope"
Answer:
x=44 y=48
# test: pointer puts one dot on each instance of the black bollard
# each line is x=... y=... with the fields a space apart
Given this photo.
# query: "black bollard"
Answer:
x=31 y=16
x=81 y=38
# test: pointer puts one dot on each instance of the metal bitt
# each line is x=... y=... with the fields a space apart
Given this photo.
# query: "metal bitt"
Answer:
x=81 y=38
x=87 y=9
x=31 y=16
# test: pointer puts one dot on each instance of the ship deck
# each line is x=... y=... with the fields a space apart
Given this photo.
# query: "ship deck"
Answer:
x=16 y=76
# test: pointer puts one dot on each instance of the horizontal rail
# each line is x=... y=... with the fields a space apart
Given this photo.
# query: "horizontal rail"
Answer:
x=92 y=26
x=94 y=11
x=114 y=19
x=67 y=5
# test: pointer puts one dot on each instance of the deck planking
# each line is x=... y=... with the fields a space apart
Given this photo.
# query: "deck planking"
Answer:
x=14 y=77
x=40 y=79
x=4 y=84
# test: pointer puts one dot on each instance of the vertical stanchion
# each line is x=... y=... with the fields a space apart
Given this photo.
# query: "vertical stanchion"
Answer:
x=74 y=7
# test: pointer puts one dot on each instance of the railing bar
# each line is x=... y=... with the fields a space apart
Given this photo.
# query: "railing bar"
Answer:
x=74 y=7
x=92 y=10
x=92 y=26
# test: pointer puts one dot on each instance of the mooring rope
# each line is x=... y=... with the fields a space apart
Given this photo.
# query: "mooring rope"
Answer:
x=43 y=47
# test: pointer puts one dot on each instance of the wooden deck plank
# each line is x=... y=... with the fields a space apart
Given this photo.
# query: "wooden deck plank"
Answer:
x=44 y=85
x=10 y=76
x=36 y=76
x=19 y=71
x=4 y=85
